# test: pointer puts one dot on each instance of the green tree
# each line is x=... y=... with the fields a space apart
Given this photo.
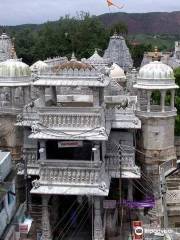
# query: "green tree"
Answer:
x=81 y=34
x=137 y=52
x=120 y=28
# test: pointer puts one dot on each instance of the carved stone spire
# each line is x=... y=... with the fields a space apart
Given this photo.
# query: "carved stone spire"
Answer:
x=13 y=51
x=5 y=47
x=118 y=52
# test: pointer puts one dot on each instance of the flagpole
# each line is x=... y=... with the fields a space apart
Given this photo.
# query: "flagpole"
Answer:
x=110 y=3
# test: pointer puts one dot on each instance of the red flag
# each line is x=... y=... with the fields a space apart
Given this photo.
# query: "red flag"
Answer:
x=110 y=3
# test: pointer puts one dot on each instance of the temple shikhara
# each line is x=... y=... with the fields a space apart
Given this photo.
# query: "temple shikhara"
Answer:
x=90 y=143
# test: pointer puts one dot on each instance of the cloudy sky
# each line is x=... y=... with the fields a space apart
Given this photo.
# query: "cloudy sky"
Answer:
x=15 y=12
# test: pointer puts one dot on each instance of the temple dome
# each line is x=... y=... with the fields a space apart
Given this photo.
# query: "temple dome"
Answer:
x=96 y=59
x=73 y=64
x=156 y=76
x=14 y=68
x=156 y=70
x=116 y=72
x=39 y=65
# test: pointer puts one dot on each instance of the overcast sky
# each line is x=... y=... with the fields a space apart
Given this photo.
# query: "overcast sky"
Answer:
x=14 y=12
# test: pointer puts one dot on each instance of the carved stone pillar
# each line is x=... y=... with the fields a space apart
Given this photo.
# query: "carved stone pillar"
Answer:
x=98 y=227
x=101 y=96
x=95 y=97
x=149 y=101
x=42 y=150
x=53 y=95
x=130 y=190
x=42 y=96
x=27 y=95
x=138 y=100
x=46 y=228
x=55 y=207
x=163 y=95
x=172 y=99
x=12 y=96
x=96 y=151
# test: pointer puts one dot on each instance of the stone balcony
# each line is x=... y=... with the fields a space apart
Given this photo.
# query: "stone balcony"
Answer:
x=72 y=178
x=67 y=117
x=87 y=123
x=124 y=169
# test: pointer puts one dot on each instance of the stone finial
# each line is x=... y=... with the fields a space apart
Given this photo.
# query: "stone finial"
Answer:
x=96 y=51
x=115 y=34
x=156 y=55
x=73 y=57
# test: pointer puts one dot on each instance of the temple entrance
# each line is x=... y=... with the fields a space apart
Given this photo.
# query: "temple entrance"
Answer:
x=74 y=218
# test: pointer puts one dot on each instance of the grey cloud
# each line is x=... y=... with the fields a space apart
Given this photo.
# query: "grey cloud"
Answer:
x=15 y=12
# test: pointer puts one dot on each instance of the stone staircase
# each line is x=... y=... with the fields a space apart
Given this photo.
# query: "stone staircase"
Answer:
x=173 y=183
x=153 y=214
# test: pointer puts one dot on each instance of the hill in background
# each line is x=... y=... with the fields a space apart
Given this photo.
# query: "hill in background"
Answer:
x=145 y=30
x=146 y=23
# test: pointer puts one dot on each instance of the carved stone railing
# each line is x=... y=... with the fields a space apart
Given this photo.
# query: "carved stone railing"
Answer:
x=10 y=110
x=70 y=73
x=168 y=166
x=71 y=172
x=173 y=197
x=125 y=169
x=156 y=111
x=65 y=118
x=28 y=117
x=113 y=161
x=31 y=157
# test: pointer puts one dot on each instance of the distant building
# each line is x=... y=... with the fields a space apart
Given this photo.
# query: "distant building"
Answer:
x=170 y=58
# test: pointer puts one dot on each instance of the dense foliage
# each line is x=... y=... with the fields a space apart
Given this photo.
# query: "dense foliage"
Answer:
x=138 y=51
x=81 y=34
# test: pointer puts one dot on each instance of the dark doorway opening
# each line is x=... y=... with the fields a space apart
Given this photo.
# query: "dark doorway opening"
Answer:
x=54 y=151
x=74 y=220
